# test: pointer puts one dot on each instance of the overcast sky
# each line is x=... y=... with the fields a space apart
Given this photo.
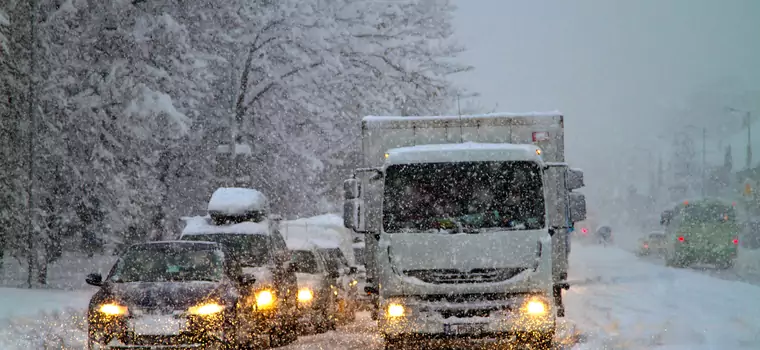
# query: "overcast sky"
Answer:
x=617 y=69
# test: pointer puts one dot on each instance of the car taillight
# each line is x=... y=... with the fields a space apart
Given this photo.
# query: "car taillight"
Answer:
x=736 y=241
x=681 y=239
x=646 y=245
x=584 y=231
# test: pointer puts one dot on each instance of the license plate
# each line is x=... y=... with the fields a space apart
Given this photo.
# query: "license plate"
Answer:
x=464 y=328
x=158 y=325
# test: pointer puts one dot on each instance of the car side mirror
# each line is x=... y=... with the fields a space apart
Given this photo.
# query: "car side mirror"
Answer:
x=94 y=279
x=246 y=280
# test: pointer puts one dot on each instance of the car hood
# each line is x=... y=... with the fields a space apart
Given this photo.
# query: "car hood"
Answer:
x=163 y=295
x=311 y=281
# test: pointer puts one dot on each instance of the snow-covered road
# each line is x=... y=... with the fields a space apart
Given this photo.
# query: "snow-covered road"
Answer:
x=620 y=302
x=627 y=303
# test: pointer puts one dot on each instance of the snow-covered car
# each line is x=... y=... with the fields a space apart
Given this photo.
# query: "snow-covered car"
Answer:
x=344 y=281
x=655 y=243
x=169 y=294
x=317 y=297
x=238 y=220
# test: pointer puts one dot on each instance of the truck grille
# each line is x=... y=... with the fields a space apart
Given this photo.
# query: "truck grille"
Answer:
x=453 y=276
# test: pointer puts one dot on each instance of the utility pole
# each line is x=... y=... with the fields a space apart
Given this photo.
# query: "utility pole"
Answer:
x=704 y=161
x=32 y=254
x=747 y=121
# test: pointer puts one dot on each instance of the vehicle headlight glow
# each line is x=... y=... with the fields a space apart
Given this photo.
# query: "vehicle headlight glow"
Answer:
x=536 y=307
x=305 y=295
x=206 y=309
x=353 y=283
x=395 y=310
x=264 y=299
x=113 y=309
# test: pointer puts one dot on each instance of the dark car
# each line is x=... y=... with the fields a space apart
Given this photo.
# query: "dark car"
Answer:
x=169 y=293
x=259 y=252
x=345 y=282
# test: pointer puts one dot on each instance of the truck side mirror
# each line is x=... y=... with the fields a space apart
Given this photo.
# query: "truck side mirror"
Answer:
x=351 y=189
x=351 y=213
x=577 y=207
x=574 y=179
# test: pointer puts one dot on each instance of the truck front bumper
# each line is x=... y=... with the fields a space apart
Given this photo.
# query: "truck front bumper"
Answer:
x=472 y=319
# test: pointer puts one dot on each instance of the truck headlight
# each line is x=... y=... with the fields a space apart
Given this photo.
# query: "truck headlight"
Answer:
x=112 y=309
x=536 y=307
x=206 y=309
x=264 y=299
x=395 y=310
x=305 y=295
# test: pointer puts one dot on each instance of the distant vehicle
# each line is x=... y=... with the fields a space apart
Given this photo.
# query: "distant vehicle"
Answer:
x=317 y=300
x=170 y=294
x=655 y=243
x=604 y=235
x=701 y=231
x=239 y=220
x=344 y=281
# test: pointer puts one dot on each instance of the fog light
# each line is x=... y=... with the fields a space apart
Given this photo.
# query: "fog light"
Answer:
x=264 y=299
x=536 y=307
x=113 y=309
x=395 y=310
x=305 y=295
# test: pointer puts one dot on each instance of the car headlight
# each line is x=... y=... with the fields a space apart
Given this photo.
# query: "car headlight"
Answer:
x=112 y=309
x=395 y=310
x=536 y=307
x=206 y=309
x=264 y=299
x=353 y=283
x=305 y=295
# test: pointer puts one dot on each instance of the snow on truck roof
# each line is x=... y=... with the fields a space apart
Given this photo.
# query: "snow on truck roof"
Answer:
x=201 y=225
x=463 y=152
x=553 y=114
x=237 y=201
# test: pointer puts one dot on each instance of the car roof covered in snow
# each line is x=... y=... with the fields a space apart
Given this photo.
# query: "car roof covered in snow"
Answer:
x=462 y=152
x=175 y=243
x=326 y=244
x=552 y=114
x=202 y=225
x=237 y=201
x=299 y=244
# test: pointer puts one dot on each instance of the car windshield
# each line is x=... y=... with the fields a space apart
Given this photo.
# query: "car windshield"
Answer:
x=163 y=263
x=246 y=249
x=304 y=261
x=466 y=195
x=359 y=256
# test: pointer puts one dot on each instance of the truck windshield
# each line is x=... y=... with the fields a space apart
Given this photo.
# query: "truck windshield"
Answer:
x=464 y=195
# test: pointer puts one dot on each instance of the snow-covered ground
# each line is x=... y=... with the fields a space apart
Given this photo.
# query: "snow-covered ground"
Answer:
x=623 y=302
x=619 y=302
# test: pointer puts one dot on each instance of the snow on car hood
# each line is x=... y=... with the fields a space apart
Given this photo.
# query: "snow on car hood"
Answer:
x=263 y=274
x=307 y=280
x=163 y=295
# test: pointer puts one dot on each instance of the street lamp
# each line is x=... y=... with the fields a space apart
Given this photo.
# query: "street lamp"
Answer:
x=747 y=123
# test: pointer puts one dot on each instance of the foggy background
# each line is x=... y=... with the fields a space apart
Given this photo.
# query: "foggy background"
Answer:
x=626 y=74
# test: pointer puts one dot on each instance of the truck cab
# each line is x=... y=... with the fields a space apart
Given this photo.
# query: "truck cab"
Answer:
x=464 y=238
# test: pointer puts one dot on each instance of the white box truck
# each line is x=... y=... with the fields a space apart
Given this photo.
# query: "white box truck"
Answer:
x=466 y=222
